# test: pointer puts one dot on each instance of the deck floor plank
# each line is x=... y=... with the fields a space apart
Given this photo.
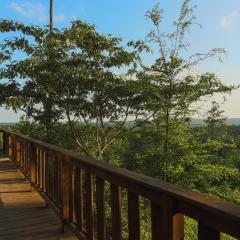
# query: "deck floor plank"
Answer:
x=24 y=214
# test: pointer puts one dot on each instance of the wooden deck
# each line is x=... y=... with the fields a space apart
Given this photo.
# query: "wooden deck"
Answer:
x=23 y=213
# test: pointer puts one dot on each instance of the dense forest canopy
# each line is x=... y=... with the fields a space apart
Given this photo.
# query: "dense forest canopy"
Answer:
x=71 y=95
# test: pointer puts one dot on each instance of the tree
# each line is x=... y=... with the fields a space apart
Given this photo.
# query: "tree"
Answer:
x=69 y=75
x=216 y=123
x=170 y=83
x=217 y=140
x=10 y=90
x=96 y=101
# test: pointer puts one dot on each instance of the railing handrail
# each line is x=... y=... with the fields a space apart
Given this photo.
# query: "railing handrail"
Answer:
x=216 y=213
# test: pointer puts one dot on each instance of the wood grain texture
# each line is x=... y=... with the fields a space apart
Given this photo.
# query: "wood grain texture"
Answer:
x=169 y=202
x=116 y=212
x=89 y=204
x=207 y=233
x=133 y=217
x=23 y=214
x=100 y=205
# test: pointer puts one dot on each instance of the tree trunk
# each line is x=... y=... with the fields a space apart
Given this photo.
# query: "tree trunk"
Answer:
x=51 y=16
x=166 y=144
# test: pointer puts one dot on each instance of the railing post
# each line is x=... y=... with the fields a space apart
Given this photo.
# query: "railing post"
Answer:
x=166 y=223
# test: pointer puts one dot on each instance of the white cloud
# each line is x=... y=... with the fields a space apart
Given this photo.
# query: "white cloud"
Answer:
x=227 y=21
x=37 y=11
x=17 y=8
x=43 y=18
x=30 y=10
x=59 y=17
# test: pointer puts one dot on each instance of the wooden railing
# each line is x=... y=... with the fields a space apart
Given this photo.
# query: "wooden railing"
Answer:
x=74 y=187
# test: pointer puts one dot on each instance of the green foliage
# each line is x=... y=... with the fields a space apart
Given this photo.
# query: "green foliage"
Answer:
x=69 y=74
x=68 y=87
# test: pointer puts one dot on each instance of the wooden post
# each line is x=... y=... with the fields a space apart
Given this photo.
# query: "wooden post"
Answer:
x=166 y=224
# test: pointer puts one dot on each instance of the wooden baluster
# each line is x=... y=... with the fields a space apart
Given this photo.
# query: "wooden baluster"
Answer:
x=24 y=155
x=101 y=228
x=56 y=182
x=54 y=177
x=65 y=190
x=59 y=157
x=25 y=158
x=47 y=172
x=18 y=153
x=41 y=168
x=22 y=150
x=10 y=146
x=207 y=233
x=21 y=154
x=70 y=176
x=13 y=149
x=29 y=155
x=38 y=167
x=116 y=212
x=2 y=139
x=44 y=170
x=78 y=190
x=156 y=215
x=89 y=204
x=178 y=227
x=50 y=174
x=133 y=217
x=28 y=151
x=5 y=143
x=33 y=164
x=166 y=225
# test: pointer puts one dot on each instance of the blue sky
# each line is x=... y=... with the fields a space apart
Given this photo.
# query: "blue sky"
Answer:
x=126 y=18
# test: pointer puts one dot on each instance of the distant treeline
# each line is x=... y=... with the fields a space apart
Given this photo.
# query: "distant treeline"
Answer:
x=229 y=121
